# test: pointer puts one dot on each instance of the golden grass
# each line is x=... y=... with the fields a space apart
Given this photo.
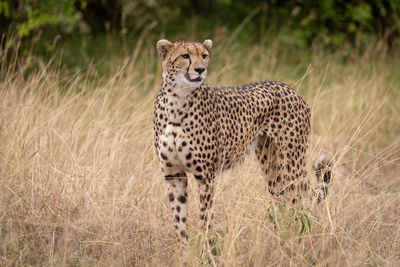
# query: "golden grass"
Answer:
x=80 y=182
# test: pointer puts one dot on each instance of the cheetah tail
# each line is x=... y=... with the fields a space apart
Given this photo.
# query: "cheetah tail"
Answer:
x=323 y=168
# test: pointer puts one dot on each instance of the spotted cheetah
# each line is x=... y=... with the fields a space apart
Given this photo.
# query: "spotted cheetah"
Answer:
x=202 y=130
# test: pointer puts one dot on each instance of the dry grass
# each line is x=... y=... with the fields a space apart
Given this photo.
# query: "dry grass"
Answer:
x=80 y=183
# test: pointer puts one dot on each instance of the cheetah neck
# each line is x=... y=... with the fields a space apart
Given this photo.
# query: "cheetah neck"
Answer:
x=179 y=87
x=177 y=100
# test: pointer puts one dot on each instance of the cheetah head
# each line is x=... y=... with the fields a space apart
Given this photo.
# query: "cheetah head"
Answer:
x=184 y=63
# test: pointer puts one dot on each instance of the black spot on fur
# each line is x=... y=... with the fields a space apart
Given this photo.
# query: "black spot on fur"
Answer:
x=182 y=199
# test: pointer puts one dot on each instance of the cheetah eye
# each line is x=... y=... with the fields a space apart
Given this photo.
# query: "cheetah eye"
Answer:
x=204 y=56
x=185 y=56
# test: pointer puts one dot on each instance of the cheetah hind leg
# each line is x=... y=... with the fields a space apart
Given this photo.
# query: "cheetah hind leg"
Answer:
x=266 y=152
x=323 y=173
x=283 y=184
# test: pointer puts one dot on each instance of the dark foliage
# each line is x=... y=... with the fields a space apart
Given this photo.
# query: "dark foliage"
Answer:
x=327 y=22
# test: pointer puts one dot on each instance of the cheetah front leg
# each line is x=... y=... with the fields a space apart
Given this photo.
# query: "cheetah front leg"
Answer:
x=205 y=184
x=177 y=194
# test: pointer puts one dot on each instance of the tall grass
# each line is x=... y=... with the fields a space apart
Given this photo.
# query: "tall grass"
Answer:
x=81 y=185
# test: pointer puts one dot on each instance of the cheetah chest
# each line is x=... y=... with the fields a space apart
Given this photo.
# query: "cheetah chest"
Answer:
x=174 y=147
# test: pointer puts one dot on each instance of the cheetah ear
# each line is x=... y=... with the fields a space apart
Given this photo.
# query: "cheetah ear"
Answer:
x=163 y=47
x=208 y=44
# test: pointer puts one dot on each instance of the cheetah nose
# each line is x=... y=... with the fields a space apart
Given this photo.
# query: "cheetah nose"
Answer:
x=200 y=70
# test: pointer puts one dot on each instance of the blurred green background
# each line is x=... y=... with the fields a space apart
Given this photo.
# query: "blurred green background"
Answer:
x=98 y=29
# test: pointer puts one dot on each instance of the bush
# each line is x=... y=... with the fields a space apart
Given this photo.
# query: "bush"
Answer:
x=327 y=22
x=29 y=15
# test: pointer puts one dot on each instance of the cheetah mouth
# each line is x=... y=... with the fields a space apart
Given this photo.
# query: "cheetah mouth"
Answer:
x=198 y=79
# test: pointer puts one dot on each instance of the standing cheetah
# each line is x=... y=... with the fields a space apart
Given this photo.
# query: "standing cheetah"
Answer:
x=202 y=130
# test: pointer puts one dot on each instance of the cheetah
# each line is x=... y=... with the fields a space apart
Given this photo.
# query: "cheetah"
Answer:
x=203 y=130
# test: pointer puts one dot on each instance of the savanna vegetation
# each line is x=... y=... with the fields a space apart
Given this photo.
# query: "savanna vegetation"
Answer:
x=80 y=182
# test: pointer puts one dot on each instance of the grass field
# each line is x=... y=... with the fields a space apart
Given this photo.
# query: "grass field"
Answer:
x=80 y=182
